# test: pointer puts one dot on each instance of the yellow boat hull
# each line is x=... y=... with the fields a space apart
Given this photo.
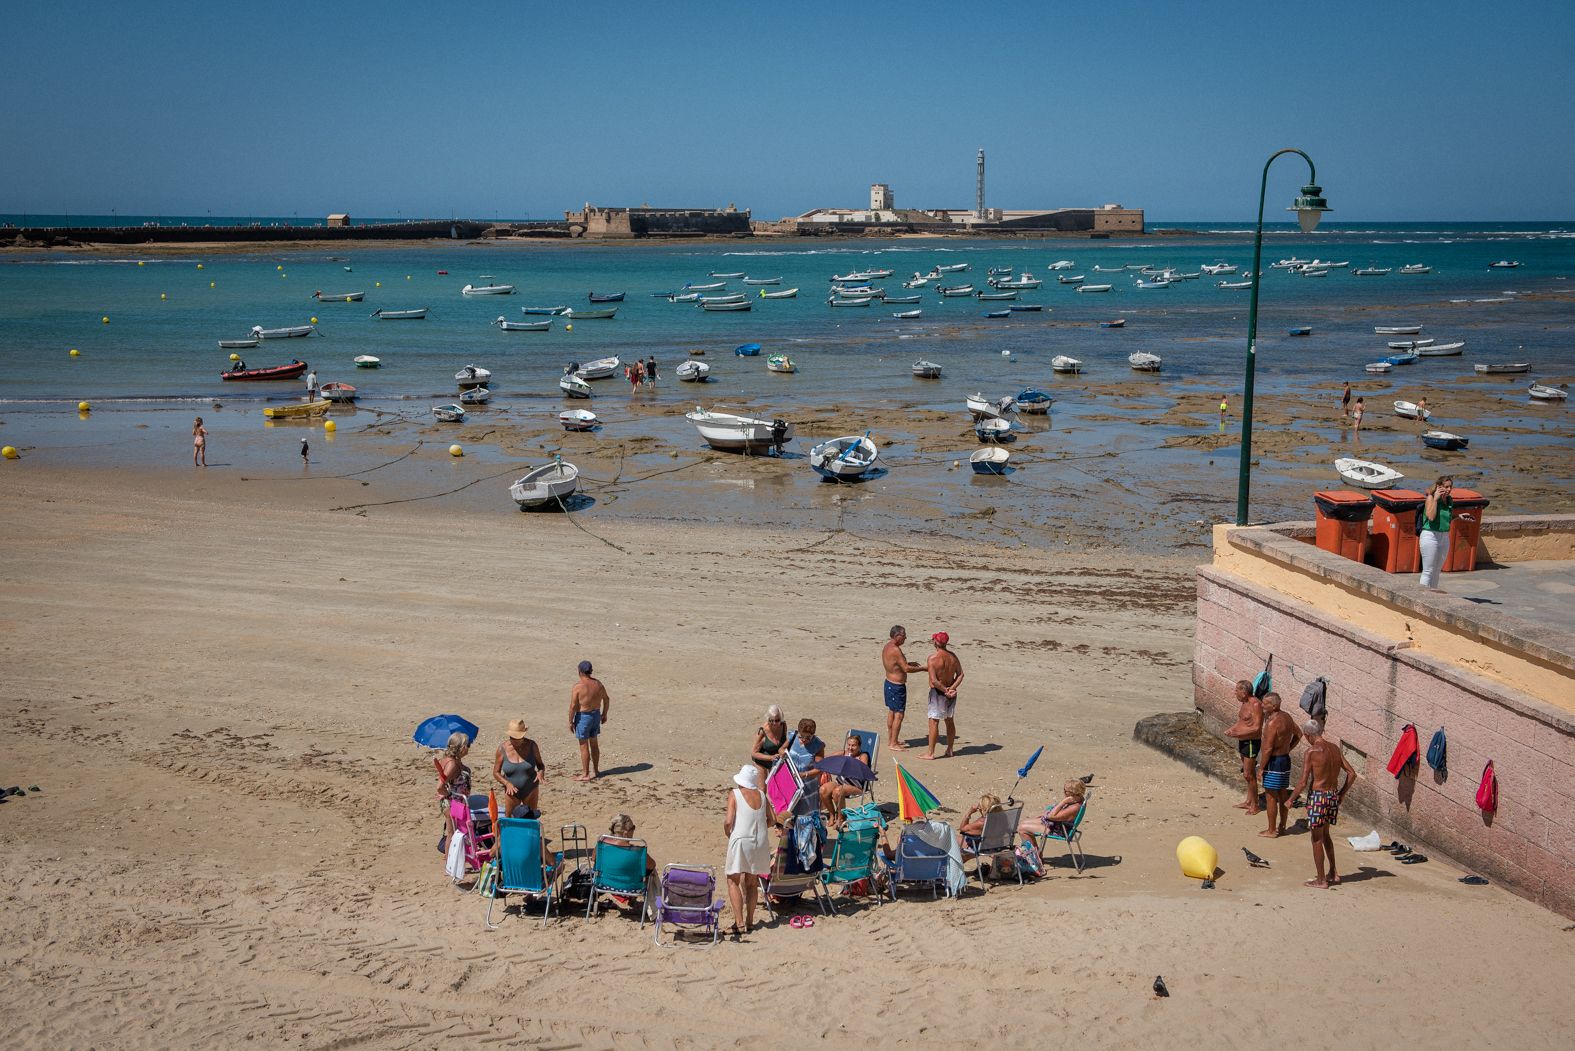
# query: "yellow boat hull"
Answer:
x=292 y=412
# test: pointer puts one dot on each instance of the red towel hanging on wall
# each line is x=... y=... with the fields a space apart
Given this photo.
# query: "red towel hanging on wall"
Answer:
x=1405 y=752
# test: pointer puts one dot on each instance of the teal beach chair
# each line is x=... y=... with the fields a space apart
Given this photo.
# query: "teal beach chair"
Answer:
x=619 y=869
x=1072 y=835
x=521 y=869
x=869 y=741
x=852 y=859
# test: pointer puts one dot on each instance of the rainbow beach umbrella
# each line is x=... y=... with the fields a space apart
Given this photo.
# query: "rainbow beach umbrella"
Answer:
x=913 y=799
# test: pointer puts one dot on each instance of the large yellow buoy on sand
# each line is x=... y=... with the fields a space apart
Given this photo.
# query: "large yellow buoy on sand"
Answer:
x=329 y=426
x=456 y=450
x=83 y=406
x=9 y=452
x=1198 y=859
x=75 y=353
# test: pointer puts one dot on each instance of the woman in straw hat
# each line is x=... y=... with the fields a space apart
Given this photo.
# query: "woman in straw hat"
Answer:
x=748 y=828
x=519 y=769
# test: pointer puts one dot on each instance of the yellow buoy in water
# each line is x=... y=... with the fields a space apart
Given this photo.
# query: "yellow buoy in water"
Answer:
x=377 y=284
x=456 y=450
x=139 y=262
x=83 y=406
x=9 y=452
x=235 y=357
x=75 y=353
x=568 y=328
x=210 y=284
x=314 y=321
x=105 y=319
x=407 y=277
x=199 y=266
x=1198 y=859
x=279 y=267
x=163 y=295
x=330 y=426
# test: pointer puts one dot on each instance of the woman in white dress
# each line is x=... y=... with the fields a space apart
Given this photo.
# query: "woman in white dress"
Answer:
x=748 y=828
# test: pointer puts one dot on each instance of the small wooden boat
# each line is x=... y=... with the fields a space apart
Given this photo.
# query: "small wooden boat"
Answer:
x=1443 y=350
x=600 y=369
x=996 y=313
x=1061 y=264
x=1409 y=410
x=296 y=412
x=1371 y=271
x=1025 y=308
x=589 y=315
x=1034 y=401
x=1217 y=269
x=728 y=276
x=762 y=280
x=1025 y=283
x=715 y=286
x=741 y=305
x=747 y=350
x=917 y=282
x=1396 y=330
x=1072 y=279
x=1093 y=288
x=1119 y=322
x=956 y=290
x=1065 y=364
x=475 y=396
x=697 y=352
x=786 y=293
x=573 y=386
x=606 y=297
x=1142 y=361
x=578 y=419
x=267 y=372
x=1504 y=264
x=843 y=459
x=1364 y=474
x=907 y=315
x=859 y=292
x=487 y=290
x=982 y=408
x=892 y=301
x=419 y=314
x=736 y=297
x=1235 y=286
x=839 y=302
x=993 y=430
x=338 y=297
x=539 y=311
x=684 y=297
x=1416 y=268
x=1302 y=330
x=1105 y=269
x=1378 y=366
x=1405 y=357
x=952 y=268
x=238 y=344
x=926 y=370
x=1444 y=440
x=523 y=326
x=1547 y=392
x=472 y=376
x=292 y=332
x=1314 y=273
x=994 y=296
x=549 y=484
x=780 y=363
x=692 y=371
x=368 y=361
x=999 y=271
x=1503 y=368
x=990 y=460
x=729 y=433
x=1151 y=284
x=1410 y=344
x=338 y=392
x=878 y=273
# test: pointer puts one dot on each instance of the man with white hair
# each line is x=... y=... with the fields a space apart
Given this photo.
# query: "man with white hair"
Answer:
x=1322 y=764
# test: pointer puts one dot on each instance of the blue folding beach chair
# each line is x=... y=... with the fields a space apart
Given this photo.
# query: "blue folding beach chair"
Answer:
x=918 y=862
x=1072 y=836
x=619 y=869
x=521 y=869
x=869 y=742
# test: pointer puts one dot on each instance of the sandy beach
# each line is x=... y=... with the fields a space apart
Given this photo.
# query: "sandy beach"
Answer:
x=214 y=683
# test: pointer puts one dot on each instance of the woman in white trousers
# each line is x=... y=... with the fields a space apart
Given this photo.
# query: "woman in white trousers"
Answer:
x=1434 y=536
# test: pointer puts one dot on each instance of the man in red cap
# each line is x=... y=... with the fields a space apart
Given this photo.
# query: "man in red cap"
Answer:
x=946 y=675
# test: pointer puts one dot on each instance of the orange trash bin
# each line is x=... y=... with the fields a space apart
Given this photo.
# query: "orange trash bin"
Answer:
x=1392 y=541
x=1342 y=522
x=1465 y=529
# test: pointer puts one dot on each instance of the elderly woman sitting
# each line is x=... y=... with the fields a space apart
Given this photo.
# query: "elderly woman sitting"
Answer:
x=621 y=828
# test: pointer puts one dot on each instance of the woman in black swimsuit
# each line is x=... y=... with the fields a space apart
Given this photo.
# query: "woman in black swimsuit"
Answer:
x=769 y=739
x=519 y=769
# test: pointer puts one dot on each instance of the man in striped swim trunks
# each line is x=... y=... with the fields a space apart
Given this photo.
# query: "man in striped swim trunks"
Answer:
x=1280 y=738
x=1322 y=765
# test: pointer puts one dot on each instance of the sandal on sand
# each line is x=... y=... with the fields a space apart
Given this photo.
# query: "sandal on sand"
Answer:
x=1473 y=881
x=1413 y=859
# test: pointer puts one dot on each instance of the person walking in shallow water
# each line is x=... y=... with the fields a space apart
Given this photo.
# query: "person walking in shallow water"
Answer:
x=305 y=453
x=199 y=444
x=1356 y=415
x=1345 y=400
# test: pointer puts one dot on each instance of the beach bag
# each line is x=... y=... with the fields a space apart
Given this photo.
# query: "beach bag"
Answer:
x=1487 y=791
x=1263 y=682
x=1404 y=757
x=1313 y=698
x=455 y=865
x=1438 y=752
x=1029 y=863
x=487 y=881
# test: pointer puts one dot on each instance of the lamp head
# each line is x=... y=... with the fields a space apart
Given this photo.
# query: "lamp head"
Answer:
x=1309 y=208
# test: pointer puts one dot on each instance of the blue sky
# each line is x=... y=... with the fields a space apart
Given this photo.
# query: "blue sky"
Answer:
x=1438 y=111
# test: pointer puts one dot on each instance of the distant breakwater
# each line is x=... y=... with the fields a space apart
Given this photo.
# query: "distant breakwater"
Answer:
x=63 y=236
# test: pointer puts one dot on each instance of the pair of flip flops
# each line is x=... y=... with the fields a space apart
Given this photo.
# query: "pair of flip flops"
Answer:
x=1473 y=881
x=800 y=923
x=1411 y=859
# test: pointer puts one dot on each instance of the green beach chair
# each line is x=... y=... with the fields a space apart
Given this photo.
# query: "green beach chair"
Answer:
x=852 y=859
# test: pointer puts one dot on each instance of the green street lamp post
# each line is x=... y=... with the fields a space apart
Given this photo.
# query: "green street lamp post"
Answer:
x=1309 y=209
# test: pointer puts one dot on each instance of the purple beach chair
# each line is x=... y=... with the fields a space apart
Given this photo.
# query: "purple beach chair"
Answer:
x=687 y=900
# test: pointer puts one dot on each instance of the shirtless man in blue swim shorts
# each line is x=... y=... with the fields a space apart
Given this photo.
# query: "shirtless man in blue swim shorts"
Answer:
x=588 y=708
x=897 y=667
x=1280 y=738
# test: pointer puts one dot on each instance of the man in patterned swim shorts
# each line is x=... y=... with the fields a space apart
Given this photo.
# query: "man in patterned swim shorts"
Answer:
x=1322 y=765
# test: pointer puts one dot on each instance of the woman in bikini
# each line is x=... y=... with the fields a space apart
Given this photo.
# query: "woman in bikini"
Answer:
x=199 y=444
x=518 y=767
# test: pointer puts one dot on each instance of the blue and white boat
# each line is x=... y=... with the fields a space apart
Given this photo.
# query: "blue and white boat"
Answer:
x=844 y=459
x=990 y=460
x=748 y=350
x=1444 y=440
x=1033 y=400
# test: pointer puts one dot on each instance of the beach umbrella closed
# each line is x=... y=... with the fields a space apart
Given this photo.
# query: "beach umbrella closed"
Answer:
x=434 y=732
x=846 y=766
x=913 y=799
x=1022 y=771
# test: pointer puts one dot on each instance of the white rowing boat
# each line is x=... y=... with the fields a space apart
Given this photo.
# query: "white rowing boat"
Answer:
x=549 y=484
x=523 y=326
x=1364 y=474
x=844 y=458
x=419 y=314
x=730 y=433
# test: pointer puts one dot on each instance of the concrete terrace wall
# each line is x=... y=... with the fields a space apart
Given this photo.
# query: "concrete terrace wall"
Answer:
x=1395 y=655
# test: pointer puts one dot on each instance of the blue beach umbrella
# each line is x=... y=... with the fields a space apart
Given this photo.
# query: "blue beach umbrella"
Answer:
x=434 y=733
x=1022 y=771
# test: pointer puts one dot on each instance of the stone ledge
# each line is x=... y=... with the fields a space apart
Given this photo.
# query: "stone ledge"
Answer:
x=1282 y=544
x=1183 y=737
